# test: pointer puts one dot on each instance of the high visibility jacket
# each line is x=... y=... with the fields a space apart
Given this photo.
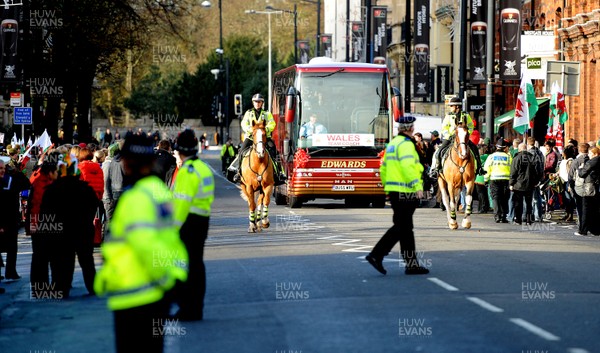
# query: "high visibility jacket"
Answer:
x=194 y=190
x=144 y=254
x=497 y=166
x=227 y=150
x=401 y=170
x=250 y=116
x=449 y=124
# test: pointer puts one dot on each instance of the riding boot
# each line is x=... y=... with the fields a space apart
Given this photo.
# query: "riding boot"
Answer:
x=478 y=169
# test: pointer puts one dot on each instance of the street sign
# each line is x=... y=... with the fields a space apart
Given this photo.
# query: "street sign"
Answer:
x=566 y=73
x=15 y=99
x=23 y=115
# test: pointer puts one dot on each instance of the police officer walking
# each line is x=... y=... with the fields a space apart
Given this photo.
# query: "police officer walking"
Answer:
x=497 y=166
x=193 y=190
x=143 y=256
x=401 y=174
x=256 y=114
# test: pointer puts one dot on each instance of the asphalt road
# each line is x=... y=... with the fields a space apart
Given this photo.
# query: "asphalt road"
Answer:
x=302 y=286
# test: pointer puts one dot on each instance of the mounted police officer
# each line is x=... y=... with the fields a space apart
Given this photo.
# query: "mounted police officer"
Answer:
x=194 y=192
x=256 y=114
x=402 y=177
x=456 y=117
x=143 y=256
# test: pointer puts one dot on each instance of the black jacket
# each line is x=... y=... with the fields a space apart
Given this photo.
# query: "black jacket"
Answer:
x=164 y=162
x=524 y=172
x=591 y=171
x=10 y=187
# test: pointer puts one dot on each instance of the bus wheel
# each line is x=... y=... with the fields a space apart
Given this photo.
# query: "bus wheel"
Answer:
x=379 y=202
x=279 y=197
x=294 y=201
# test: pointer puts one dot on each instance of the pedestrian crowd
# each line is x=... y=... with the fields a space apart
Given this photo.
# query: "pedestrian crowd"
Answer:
x=146 y=203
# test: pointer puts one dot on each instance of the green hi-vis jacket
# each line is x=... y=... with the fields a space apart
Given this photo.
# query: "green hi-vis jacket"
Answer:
x=144 y=255
x=194 y=190
x=401 y=170
x=250 y=116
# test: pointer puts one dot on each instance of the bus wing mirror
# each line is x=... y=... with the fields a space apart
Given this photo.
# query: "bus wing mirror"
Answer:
x=290 y=105
x=397 y=104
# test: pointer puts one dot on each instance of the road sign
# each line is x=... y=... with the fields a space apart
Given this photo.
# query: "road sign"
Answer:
x=23 y=115
x=567 y=74
x=15 y=99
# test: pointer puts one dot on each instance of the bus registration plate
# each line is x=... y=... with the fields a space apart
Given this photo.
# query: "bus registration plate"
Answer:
x=343 y=188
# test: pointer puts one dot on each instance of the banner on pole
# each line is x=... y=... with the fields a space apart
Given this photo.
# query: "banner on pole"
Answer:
x=510 y=39
x=421 y=52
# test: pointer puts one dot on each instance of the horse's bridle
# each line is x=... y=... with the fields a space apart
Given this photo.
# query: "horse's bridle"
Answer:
x=455 y=146
x=258 y=176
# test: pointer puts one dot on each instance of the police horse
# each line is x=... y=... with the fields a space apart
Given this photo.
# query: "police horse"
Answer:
x=458 y=171
x=257 y=180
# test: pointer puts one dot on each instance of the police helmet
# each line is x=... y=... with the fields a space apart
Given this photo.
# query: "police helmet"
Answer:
x=455 y=101
x=502 y=143
x=187 y=143
x=258 y=98
x=137 y=146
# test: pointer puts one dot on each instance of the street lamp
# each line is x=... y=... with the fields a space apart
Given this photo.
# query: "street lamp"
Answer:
x=220 y=52
x=268 y=13
x=295 y=13
x=318 y=3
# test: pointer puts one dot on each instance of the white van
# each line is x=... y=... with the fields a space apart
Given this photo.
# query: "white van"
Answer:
x=424 y=124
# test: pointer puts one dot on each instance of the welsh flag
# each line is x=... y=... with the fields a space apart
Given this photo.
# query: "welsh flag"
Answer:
x=43 y=142
x=558 y=107
x=526 y=107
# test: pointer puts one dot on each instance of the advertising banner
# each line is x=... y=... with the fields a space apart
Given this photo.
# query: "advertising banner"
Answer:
x=478 y=41
x=326 y=45
x=379 y=40
x=421 y=52
x=10 y=37
x=358 y=42
x=443 y=82
x=510 y=39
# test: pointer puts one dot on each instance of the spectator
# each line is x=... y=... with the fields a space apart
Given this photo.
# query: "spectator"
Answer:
x=435 y=141
x=580 y=160
x=482 y=190
x=107 y=139
x=164 y=160
x=91 y=172
x=99 y=157
x=537 y=195
x=569 y=154
x=39 y=227
x=515 y=147
x=12 y=182
x=590 y=172
x=524 y=175
x=113 y=179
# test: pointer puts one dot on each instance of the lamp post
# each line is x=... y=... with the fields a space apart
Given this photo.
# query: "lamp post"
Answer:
x=318 y=3
x=295 y=13
x=268 y=13
x=221 y=52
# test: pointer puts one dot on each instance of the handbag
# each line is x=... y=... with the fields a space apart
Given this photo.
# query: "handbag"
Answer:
x=98 y=238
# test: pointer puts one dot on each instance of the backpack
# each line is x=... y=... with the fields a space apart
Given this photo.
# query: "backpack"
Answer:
x=583 y=188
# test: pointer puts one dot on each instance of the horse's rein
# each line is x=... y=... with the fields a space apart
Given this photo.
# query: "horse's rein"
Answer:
x=258 y=176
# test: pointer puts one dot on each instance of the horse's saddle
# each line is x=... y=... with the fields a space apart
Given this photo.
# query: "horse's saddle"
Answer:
x=446 y=153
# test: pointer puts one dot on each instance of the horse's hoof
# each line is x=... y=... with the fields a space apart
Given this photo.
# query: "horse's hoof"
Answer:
x=466 y=224
x=266 y=225
x=252 y=228
x=453 y=225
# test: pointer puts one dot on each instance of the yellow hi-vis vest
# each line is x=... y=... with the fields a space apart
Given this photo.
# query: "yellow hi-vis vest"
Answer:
x=401 y=170
x=250 y=116
x=497 y=166
x=449 y=124
x=194 y=190
x=144 y=255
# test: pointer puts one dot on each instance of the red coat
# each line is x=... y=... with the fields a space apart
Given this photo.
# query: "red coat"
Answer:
x=39 y=183
x=92 y=174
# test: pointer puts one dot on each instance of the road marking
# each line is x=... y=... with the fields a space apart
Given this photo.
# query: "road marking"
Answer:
x=482 y=303
x=534 y=329
x=443 y=284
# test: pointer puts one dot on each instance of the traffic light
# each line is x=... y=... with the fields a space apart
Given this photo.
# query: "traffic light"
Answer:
x=238 y=104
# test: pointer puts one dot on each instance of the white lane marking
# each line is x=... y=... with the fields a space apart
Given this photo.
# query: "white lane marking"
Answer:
x=534 y=329
x=443 y=284
x=577 y=350
x=482 y=303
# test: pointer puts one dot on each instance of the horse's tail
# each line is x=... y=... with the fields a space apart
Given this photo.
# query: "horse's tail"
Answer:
x=242 y=193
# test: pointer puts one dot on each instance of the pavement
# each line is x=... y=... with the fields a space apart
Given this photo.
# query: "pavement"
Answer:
x=303 y=286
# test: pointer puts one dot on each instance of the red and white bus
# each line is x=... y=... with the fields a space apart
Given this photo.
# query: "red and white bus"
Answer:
x=353 y=102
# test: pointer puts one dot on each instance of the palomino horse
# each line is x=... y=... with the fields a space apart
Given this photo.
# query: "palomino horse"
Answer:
x=257 y=179
x=458 y=172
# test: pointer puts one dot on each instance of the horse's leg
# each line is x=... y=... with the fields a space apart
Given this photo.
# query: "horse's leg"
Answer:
x=265 y=206
x=453 y=197
x=259 y=208
x=446 y=199
x=466 y=223
x=251 y=209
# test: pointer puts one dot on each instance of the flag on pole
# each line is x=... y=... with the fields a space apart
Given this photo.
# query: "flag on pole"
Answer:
x=558 y=107
x=44 y=142
x=14 y=140
x=526 y=107
x=29 y=143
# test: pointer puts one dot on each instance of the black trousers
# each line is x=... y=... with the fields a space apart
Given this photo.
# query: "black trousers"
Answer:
x=401 y=231
x=580 y=215
x=9 y=241
x=589 y=215
x=517 y=201
x=500 y=195
x=483 y=198
x=141 y=329
x=63 y=262
x=190 y=294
